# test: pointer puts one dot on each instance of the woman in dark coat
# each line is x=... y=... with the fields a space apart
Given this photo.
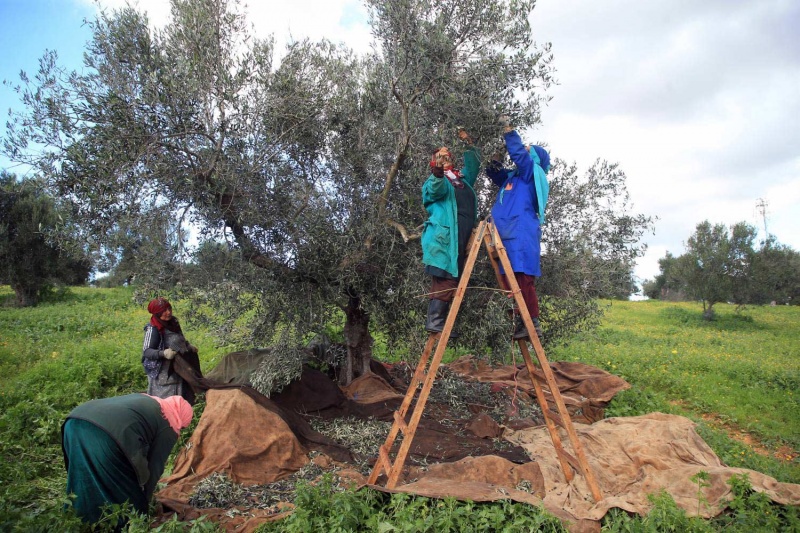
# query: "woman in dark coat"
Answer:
x=115 y=449
x=163 y=340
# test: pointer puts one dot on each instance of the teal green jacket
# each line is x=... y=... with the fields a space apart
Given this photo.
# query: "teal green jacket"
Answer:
x=440 y=232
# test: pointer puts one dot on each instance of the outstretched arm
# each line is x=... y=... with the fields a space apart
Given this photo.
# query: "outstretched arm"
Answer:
x=472 y=158
x=519 y=154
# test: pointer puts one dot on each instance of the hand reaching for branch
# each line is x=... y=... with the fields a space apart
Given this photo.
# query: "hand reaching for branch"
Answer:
x=505 y=122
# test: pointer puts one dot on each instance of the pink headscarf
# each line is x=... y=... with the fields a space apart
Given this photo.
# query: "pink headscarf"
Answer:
x=176 y=410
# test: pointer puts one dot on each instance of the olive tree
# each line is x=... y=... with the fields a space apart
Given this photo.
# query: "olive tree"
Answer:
x=32 y=261
x=718 y=264
x=298 y=167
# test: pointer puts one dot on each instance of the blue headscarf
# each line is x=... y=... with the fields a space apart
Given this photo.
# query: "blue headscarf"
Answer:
x=544 y=158
x=541 y=166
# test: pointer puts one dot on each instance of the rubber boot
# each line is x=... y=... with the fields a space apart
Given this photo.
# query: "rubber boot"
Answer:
x=437 y=316
x=521 y=332
x=537 y=326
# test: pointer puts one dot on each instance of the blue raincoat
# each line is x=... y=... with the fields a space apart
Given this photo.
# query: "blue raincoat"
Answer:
x=519 y=208
x=440 y=232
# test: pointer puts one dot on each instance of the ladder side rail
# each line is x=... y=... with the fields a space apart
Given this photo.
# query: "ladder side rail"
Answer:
x=490 y=247
x=545 y=365
x=413 y=386
x=548 y=420
x=517 y=294
x=416 y=415
x=537 y=387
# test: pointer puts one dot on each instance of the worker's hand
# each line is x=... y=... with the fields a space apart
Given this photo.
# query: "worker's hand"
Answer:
x=169 y=353
x=505 y=122
x=192 y=348
x=438 y=161
x=444 y=158
x=464 y=136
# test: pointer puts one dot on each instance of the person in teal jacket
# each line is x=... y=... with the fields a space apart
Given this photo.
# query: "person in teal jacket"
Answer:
x=518 y=214
x=449 y=199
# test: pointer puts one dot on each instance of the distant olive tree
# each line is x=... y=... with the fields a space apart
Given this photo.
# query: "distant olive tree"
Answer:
x=32 y=262
x=724 y=265
x=775 y=274
x=717 y=266
x=666 y=285
x=706 y=265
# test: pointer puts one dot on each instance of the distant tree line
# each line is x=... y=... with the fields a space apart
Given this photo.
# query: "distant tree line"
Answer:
x=725 y=265
x=32 y=261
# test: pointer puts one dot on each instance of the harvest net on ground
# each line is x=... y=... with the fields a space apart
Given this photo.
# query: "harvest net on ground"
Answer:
x=481 y=438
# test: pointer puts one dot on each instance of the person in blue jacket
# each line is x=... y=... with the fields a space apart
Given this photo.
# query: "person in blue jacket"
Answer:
x=449 y=199
x=518 y=214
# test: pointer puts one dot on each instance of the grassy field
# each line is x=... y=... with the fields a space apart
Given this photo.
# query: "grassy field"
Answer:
x=737 y=377
x=739 y=374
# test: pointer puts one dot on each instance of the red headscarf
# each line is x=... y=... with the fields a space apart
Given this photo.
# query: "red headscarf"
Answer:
x=177 y=411
x=156 y=307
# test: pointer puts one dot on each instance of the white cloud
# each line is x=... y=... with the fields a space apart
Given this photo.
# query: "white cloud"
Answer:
x=695 y=100
x=337 y=20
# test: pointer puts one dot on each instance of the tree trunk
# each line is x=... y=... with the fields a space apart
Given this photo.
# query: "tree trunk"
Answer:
x=25 y=296
x=358 y=339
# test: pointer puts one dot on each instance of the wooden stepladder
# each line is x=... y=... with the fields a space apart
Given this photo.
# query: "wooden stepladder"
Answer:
x=542 y=377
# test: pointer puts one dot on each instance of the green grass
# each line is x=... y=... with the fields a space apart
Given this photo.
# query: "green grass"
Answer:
x=740 y=370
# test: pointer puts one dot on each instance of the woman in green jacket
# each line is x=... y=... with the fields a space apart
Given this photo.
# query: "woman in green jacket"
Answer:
x=449 y=199
x=115 y=449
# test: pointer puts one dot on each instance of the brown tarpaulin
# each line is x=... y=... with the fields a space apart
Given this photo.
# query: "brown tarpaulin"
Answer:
x=586 y=390
x=248 y=437
x=635 y=456
x=241 y=438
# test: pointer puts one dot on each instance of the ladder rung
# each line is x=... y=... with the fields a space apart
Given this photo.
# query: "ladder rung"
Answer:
x=383 y=456
x=573 y=462
x=400 y=421
x=555 y=417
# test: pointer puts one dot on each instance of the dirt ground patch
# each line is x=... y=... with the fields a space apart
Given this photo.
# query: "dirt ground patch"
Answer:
x=782 y=453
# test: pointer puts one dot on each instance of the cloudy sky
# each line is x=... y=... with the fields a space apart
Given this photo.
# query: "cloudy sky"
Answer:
x=694 y=99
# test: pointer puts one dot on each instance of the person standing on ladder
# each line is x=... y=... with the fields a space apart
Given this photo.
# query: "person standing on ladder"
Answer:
x=518 y=213
x=449 y=199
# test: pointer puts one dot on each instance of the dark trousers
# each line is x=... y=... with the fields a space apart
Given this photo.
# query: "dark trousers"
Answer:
x=527 y=286
x=443 y=289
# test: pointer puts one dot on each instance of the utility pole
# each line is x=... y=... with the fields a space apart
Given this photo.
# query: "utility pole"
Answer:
x=762 y=205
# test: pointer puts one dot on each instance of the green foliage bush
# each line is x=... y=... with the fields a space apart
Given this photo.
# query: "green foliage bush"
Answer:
x=322 y=508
